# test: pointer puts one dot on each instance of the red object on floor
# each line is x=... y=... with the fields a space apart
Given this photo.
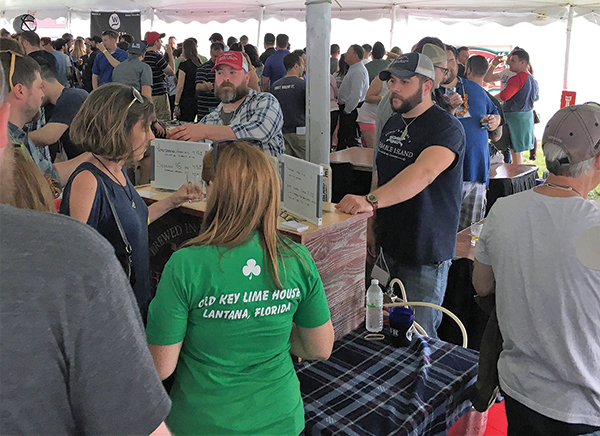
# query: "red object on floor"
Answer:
x=472 y=423
x=497 y=425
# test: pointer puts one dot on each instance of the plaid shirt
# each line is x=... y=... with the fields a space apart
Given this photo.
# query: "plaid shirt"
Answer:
x=259 y=116
x=39 y=155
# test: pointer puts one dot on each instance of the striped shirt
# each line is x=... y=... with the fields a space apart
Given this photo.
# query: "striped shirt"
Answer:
x=206 y=100
x=158 y=63
x=259 y=116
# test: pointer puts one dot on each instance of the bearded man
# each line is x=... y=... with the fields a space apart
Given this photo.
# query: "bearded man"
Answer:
x=419 y=175
x=243 y=112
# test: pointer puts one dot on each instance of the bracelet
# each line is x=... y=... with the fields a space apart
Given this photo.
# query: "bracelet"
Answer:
x=104 y=51
x=176 y=104
x=494 y=66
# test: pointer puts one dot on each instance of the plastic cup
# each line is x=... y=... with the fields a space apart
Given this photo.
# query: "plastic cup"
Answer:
x=449 y=90
x=475 y=232
x=401 y=321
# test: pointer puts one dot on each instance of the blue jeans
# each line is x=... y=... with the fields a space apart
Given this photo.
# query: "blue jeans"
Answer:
x=425 y=283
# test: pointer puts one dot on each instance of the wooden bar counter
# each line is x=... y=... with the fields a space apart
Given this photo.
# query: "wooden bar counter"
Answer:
x=338 y=248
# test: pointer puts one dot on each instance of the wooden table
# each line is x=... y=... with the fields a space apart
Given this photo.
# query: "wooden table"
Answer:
x=338 y=247
x=360 y=158
x=464 y=249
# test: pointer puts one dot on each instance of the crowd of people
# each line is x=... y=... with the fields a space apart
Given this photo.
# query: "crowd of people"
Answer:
x=238 y=298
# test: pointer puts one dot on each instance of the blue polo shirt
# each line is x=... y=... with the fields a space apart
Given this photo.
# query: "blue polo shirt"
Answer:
x=103 y=69
x=274 y=68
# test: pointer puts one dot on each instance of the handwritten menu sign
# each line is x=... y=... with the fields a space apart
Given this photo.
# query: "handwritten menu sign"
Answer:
x=176 y=162
x=302 y=188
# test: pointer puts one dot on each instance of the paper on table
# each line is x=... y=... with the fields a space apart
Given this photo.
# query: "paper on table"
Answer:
x=145 y=193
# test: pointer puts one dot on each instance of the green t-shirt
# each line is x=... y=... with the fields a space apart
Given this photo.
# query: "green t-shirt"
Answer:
x=235 y=374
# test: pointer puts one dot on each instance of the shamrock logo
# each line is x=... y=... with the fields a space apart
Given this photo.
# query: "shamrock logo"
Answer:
x=251 y=268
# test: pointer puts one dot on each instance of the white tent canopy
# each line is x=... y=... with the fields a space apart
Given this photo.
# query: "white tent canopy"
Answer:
x=505 y=12
x=318 y=15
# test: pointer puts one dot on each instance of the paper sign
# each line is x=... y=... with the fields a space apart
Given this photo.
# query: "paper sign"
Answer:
x=176 y=162
x=302 y=188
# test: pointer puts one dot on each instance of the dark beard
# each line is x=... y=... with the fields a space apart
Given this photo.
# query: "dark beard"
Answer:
x=228 y=93
x=408 y=103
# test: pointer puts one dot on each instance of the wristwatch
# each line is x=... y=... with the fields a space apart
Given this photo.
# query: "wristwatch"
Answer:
x=372 y=200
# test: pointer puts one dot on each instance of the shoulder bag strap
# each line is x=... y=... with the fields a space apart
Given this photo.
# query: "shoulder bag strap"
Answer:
x=128 y=249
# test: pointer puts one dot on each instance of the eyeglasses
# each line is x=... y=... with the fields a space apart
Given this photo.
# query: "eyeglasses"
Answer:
x=444 y=70
x=13 y=62
x=109 y=33
x=136 y=97
x=219 y=144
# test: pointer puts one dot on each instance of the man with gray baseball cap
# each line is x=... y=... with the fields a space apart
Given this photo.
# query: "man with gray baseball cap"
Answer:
x=539 y=252
x=418 y=186
x=133 y=72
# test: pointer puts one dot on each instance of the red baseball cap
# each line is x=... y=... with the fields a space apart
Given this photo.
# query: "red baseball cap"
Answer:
x=234 y=59
x=152 y=37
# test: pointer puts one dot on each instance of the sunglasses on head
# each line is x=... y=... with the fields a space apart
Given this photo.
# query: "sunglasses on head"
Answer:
x=136 y=97
x=13 y=62
x=223 y=142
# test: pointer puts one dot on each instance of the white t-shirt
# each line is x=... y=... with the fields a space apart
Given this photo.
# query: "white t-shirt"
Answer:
x=548 y=303
x=505 y=74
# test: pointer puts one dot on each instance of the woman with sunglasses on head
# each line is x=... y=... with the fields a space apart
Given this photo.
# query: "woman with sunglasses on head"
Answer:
x=114 y=125
x=233 y=304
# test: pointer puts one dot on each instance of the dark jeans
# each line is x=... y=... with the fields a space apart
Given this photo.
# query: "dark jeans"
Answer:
x=522 y=421
x=349 y=132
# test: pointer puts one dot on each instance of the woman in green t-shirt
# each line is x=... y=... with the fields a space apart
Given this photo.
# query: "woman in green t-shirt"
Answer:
x=233 y=304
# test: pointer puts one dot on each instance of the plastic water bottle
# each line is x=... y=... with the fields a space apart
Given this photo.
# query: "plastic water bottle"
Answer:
x=374 y=317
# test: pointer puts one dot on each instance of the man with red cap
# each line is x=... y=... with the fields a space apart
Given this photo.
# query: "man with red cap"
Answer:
x=160 y=66
x=243 y=112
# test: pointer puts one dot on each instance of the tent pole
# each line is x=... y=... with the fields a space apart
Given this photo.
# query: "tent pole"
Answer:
x=568 y=48
x=70 y=21
x=318 y=116
x=152 y=19
x=260 y=21
x=394 y=6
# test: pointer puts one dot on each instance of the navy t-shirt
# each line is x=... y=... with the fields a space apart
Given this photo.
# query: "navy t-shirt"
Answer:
x=67 y=106
x=421 y=230
x=291 y=94
x=274 y=68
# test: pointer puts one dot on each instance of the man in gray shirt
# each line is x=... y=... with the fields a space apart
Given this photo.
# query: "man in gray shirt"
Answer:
x=74 y=353
x=133 y=72
x=351 y=96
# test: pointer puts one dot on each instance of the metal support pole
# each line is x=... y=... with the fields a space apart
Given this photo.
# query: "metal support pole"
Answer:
x=394 y=6
x=318 y=116
x=568 y=48
x=260 y=21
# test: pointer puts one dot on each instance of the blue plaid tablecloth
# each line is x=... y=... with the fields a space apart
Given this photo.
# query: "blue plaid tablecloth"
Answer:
x=374 y=388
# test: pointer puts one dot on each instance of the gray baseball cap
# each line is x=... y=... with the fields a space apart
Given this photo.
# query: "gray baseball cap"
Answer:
x=408 y=65
x=138 y=47
x=575 y=129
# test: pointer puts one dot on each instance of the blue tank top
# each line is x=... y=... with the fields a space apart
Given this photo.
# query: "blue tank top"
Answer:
x=134 y=222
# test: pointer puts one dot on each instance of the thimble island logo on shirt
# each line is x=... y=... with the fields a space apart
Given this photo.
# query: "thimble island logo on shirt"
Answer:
x=251 y=269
